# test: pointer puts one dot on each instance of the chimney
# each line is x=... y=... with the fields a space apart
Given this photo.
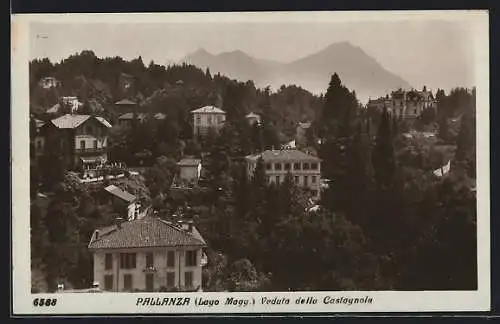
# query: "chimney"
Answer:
x=190 y=226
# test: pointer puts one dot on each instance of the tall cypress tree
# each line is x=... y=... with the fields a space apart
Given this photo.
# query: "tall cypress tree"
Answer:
x=384 y=163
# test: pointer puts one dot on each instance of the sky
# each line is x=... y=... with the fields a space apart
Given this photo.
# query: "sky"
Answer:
x=436 y=53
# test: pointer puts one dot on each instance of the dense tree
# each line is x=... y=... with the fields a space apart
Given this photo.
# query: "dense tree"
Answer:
x=383 y=153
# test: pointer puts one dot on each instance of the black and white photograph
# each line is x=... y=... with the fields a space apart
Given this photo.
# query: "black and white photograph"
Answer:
x=180 y=159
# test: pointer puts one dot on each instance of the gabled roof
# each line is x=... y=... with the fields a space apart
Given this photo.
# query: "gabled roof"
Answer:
x=252 y=115
x=122 y=194
x=189 y=162
x=125 y=102
x=209 y=109
x=69 y=121
x=148 y=231
x=292 y=154
x=130 y=116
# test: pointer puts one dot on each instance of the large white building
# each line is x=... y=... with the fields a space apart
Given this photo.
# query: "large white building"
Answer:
x=305 y=168
x=148 y=254
x=208 y=117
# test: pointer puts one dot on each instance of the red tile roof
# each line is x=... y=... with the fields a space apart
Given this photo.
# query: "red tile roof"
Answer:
x=149 y=231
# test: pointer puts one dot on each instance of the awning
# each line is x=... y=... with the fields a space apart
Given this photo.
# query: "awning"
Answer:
x=91 y=159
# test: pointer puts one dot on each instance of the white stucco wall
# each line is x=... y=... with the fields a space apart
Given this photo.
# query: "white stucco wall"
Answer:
x=138 y=274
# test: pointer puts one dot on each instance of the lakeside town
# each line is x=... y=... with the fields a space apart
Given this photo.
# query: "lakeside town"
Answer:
x=168 y=178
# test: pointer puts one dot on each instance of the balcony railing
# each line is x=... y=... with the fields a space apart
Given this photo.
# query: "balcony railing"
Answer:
x=150 y=269
x=91 y=150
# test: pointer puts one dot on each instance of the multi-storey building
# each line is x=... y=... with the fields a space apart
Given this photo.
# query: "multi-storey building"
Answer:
x=206 y=118
x=148 y=254
x=405 y=104
x=304 y=168
x=80 y=139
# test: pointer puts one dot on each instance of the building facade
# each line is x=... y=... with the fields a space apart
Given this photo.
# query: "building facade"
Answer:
x=148 y=254
x=122 y=201
x=189 y=170
x=405 y=104
x=206 y=118
x=82 y=140
x=304 y=168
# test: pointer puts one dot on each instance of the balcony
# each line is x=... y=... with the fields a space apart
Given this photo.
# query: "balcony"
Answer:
x=149 y=269
x=90 y=150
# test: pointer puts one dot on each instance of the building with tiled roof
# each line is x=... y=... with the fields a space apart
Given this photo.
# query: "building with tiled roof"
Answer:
x=148 y=254
x=405 y=103
x=82 y=140
x=305 y=168
x=206 y=118
x=122 y=201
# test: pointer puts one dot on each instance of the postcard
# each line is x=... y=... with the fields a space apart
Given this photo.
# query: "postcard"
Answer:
x=250 y=163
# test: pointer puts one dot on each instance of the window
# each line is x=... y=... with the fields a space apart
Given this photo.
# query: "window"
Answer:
x=277 y=179
x=127 y=282
x=171 y=259
x=297 y=179
x=296 y=166
x=314 y=193
x=305 y=166
x=268 y=179
x=188 y=279
x=127 y=260
x=170 y=279
x=149 y=259
x=306 y=182
x=108 y=282
x=149 y=282
x=314 y=166
x=209 y=120
x=313 y=179
x=108 y=261
x=95 y=144
x=191 y=258
x=287 y=166
x=198 y=120
x=39 y=144
x=268 y=166
x=82 y=145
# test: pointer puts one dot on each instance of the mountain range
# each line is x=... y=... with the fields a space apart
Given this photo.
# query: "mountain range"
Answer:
x=357 y=70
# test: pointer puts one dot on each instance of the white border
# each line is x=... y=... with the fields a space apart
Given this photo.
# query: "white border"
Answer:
x=120 y=303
